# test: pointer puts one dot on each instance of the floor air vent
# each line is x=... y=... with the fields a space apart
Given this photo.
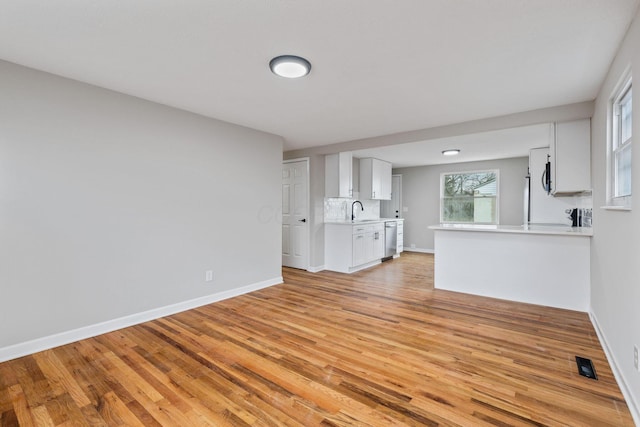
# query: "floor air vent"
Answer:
x=585 y=368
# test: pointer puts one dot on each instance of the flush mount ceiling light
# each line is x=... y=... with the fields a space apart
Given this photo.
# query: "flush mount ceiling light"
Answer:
x=451 y=152
x=290 y=66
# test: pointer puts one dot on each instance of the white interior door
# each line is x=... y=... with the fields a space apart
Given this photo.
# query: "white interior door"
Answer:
x=393 y=208
x=295 y=214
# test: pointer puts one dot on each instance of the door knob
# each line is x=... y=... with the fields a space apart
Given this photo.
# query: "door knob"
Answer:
x=302 y=220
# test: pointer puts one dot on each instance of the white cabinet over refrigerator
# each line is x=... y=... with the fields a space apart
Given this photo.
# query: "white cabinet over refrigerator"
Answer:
x=570 y=158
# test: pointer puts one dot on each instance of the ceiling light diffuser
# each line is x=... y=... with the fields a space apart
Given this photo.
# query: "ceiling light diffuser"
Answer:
x=451 y=152
x=290 y=66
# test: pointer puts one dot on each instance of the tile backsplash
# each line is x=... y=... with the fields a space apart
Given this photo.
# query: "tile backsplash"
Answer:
x=336 y=209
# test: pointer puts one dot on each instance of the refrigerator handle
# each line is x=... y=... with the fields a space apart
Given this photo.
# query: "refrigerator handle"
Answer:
x=527 y=199
x=546 y=176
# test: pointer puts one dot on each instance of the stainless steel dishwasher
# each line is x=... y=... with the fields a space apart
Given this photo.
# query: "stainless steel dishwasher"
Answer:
x=390 y=239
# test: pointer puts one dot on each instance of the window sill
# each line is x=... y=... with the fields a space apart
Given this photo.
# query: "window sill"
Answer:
x=616 y=208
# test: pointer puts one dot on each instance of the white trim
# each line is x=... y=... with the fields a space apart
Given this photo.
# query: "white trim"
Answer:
x=421 y=250
x=624 y=388
x=315 y=269
x=616 y=208
x=67 y=337
x=296 y=160
x=363 y=266
x=622 y=86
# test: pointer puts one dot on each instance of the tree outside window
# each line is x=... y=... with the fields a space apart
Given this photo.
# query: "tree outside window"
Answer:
x=469 y=197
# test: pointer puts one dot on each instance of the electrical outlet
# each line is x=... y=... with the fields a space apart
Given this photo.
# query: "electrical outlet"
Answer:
x=208 y=276
x=635 y=357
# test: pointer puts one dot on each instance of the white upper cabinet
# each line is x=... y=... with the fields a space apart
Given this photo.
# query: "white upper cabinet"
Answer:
x=375 y=179
x=570 y=159
x=338 y=175
x=386 y=180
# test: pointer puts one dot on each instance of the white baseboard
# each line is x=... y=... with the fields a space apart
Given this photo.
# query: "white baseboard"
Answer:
x=363 y=266
x=315 y=269
x=62 y=338
x=424 y=251
x=624 y=388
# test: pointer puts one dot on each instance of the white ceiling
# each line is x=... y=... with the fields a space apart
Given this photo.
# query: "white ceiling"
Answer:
x=501 y=144
x=379 y=66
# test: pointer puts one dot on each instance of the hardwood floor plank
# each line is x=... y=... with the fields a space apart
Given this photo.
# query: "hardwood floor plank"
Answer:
x=41 y=416
x=115 y=412
x=9 y=418
x=59 y=378
x=378 y=347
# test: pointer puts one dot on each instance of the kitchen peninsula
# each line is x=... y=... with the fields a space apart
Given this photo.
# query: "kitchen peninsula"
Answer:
x=546 y=265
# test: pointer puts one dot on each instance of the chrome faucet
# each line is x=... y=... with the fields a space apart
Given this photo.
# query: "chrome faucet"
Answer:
x=353 y=217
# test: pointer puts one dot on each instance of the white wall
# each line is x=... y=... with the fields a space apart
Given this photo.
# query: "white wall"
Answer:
x=111 y=205
x=421 y=195
x=615 y=248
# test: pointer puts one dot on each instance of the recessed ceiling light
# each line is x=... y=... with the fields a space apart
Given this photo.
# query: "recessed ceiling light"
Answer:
x=290 y=66
x=451 y=152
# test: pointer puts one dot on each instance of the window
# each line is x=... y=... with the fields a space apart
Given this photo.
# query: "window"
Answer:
x=619 y=177
x=469 y=197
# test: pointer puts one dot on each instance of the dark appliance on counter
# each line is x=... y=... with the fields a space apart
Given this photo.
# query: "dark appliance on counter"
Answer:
x=580 y=217
x=574 y=216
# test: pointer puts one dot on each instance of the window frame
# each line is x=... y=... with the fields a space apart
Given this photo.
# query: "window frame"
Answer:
x=614 y=144
x=471 y=172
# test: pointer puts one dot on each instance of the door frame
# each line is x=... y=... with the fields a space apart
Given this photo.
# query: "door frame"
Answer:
x=399 y=176
x=308 y=201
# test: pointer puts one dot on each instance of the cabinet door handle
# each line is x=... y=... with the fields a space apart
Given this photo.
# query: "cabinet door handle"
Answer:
x=302 y=220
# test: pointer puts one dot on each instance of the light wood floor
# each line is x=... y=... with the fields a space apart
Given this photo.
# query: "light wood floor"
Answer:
x=378 y=348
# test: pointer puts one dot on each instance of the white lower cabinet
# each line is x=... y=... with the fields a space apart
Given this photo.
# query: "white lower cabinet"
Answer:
x=400 y=238
x=350 y=248
x=359 y=250
x=378 y=243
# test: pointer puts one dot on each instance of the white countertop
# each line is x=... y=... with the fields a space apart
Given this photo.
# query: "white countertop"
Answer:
x=521 y=229
x=363 y=221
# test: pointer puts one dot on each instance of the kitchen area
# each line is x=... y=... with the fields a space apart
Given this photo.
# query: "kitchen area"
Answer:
x=544 y=261
x=537 y=250
x=363 y=226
